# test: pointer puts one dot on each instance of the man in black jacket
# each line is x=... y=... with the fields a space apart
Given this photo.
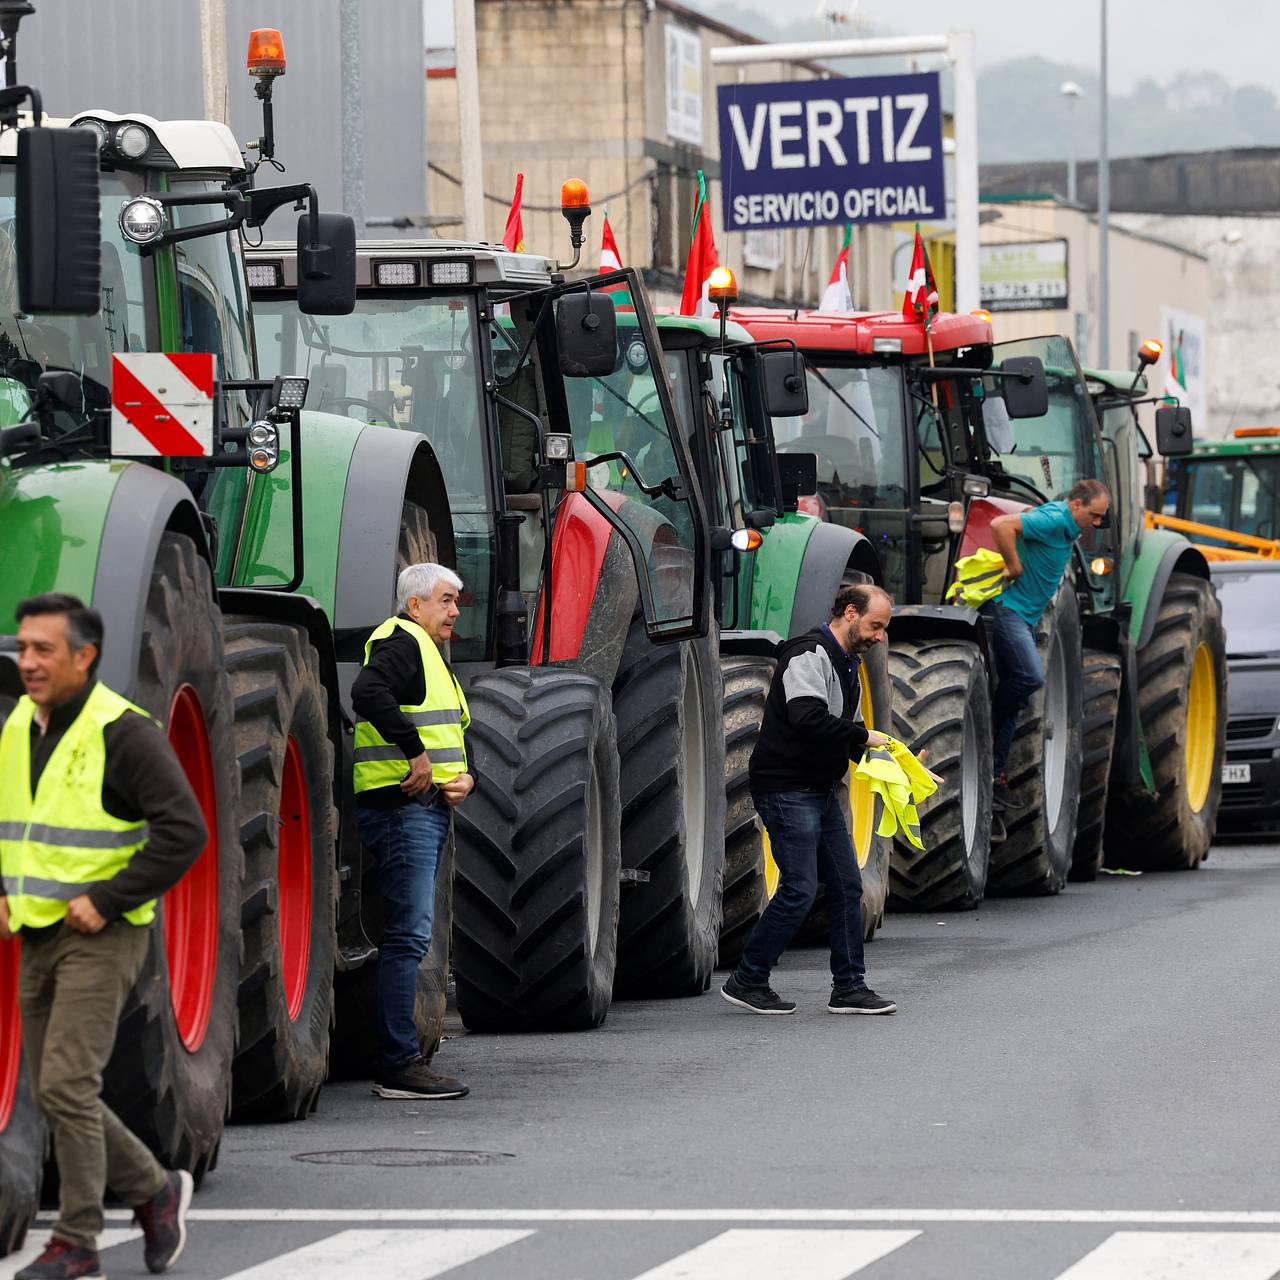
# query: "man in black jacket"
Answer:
x=812 y=730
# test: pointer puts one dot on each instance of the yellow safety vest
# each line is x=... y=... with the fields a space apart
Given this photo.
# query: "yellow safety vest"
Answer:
x=61 y=842
x=979 y=578
x=901 y=782
x=440 y=719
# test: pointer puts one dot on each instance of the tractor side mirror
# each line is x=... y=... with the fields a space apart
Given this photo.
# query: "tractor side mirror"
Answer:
x=786 y=389
x=59 y=241
x=327 y=265
x=587 y=334
x=799 y=474
x=1026 y=394
x=1173 y=431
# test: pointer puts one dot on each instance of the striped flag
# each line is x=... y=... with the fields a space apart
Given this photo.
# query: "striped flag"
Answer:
x=838 y=295
x=610 y=258
x=702 y=260
x=921 y=300
x=513 y=233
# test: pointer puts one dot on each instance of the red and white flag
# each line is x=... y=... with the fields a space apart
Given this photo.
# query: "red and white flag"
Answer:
x=162 y=404
x=838 y=296
x=921 y=299
x=610 y=258
x=702 y=260
x=513 y=233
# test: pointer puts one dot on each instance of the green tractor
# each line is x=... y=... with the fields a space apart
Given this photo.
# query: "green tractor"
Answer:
x=730 y=389
x=590 y=859
x=920 y=446
x=1231 y=484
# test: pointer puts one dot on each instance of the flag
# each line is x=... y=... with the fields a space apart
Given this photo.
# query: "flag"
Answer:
x=921 y=300
x=838 y=296
x=702 y=260
x=513 y=234
x=1175 y=382
x=610 y=258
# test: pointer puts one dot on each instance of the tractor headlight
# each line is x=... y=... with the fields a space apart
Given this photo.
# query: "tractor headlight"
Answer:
x=142 y=220
x=133 y=141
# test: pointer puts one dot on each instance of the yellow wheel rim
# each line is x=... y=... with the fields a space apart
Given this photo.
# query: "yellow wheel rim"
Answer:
x=862 y=802
x=1202 y=727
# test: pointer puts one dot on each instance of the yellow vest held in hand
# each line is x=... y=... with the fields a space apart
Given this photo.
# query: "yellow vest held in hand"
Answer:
x=979 y=578
x=901 y=782
x=440 y=719
x=61 y=842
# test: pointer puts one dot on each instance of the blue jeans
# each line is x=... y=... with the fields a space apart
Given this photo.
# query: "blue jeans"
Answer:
x=1019 y=672
x=810 y=842
x=406 y=843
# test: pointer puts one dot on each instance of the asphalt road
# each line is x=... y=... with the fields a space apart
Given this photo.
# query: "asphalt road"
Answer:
x=1082 y=1087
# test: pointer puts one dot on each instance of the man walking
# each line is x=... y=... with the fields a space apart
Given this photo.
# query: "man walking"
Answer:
x=812 y=729
x=97 y=820
x=1036 y=546
x=410 y=770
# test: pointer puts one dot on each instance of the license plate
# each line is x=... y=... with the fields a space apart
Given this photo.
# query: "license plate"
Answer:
x=1235 y=773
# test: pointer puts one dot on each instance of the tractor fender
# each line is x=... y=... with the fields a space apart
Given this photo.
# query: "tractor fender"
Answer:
x=941 y=622
x=1160 y=555
x=92 y=529
x=832 y=551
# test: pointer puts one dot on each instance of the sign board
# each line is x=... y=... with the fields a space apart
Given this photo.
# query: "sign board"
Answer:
x=816 y=153
x=1180 y=372
x=1030 y=276
x=162 y=404
x=684 y=85
x=762 y=249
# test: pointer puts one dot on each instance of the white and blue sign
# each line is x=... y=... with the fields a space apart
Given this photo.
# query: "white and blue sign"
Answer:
x=809 y=153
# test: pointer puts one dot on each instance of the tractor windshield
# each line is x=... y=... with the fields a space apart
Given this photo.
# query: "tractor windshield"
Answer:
x=31 y=345
x=1239 y=492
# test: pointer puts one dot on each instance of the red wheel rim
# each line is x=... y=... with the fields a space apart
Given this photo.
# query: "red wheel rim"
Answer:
x=10 y=1031
x=191 y=907
x=294 y=875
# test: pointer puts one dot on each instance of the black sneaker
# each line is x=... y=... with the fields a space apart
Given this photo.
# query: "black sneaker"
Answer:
x=417 y=1080
x=62 y=1261
x=756 y=999
x=1002 y=798
x=859 y=1000
x=998 y=832
x=163 y=1220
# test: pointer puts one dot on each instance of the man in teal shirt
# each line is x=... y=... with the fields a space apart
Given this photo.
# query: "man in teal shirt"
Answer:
x=1036 y=546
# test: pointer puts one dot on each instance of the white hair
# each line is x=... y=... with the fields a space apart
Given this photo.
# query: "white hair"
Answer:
x=421 y=580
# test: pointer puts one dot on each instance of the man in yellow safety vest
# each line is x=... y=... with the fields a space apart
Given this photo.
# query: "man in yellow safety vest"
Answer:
x=97 y=820
x=410 y=769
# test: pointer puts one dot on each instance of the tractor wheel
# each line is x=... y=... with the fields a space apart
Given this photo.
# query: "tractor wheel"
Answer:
x=352 y=1053
x=22 y=1133
x=288 y=829
x=1044 y=766
x=669 y=704
x=539 y=853
x=942 y=705
x=1102 y=678
x=749 y=876
x=417 y=543
x=1182 y=704
x=169 y=1079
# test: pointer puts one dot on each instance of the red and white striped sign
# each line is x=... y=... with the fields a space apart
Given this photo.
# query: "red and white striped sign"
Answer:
x=162 y=404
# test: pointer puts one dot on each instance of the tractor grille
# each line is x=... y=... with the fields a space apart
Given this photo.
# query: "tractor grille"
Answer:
x=1240 y=728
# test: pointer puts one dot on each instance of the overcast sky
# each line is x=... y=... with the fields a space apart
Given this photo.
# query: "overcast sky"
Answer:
x=1236 y=38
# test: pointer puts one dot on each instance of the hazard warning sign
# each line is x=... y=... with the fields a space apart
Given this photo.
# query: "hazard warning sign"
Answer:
x=162 y=404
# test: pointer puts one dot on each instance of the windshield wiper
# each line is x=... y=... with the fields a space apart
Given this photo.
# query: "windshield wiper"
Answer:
x=826 y=382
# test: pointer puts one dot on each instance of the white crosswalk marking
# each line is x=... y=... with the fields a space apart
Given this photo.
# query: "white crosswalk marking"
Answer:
x=374 y=1254
x=781 y=1255
x=1181 y=1255
x=36 y=1242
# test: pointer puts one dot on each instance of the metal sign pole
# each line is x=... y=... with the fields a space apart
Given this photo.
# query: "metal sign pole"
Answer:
x=959 y=48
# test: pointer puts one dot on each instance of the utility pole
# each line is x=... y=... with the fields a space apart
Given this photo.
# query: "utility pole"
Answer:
x=1104 y=211
x=353 y=201
x=213 y=58
x=1072 y=92
x=959 y=48
x=469 y=138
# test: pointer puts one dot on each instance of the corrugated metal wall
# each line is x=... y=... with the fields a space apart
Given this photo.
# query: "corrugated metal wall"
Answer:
x=144 y=55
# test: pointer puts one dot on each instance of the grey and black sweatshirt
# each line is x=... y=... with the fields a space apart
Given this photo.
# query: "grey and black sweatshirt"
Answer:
x=812 y=724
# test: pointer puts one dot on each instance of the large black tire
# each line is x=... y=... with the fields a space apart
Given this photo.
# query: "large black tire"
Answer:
x=1045 y=764
x=353 y=1048
x=22 y=1133
x=746 y=892
x=942 y=705
x=288 y=827
x=176 y=1096
x=539 y=853
x=1182 y=679
x=669 y=704
x=1101 y=701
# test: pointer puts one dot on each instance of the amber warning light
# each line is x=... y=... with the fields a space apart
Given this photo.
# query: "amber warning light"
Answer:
x=574 y=195
x=266 y=52
x=1150 y=352
x=721 y=285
